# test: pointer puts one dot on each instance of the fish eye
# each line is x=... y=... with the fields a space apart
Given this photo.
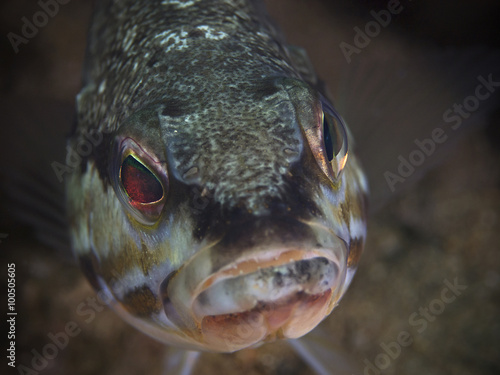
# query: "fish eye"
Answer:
x=334 y=139
x=140 y=184
x=139 y=181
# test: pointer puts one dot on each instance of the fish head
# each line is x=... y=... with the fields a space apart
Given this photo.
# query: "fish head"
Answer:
x=226 y=222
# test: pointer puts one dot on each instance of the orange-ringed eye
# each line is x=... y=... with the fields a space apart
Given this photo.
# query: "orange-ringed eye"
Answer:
x=334 y=139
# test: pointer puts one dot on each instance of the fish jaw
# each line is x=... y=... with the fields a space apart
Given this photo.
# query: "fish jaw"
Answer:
x=270 y=291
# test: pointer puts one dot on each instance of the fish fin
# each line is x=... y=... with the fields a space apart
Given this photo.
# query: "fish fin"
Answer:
x=179 y=361
x=400 y=103
x=39 y=207
x=319 y=351
x=36 y=132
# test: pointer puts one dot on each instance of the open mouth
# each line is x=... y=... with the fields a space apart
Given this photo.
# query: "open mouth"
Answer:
x=275 y=294
x=245 y=284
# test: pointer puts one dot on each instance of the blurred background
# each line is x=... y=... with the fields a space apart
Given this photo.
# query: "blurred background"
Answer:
x=445 y=225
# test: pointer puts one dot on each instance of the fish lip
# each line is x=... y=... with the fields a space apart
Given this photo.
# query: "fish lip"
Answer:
x=263 y=259
x=276 y=286
x=290 y=317
x=240 y=320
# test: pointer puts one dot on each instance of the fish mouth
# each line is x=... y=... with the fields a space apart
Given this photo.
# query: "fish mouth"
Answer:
x=267 y=281
x=264 y=301
x=264 y=279
x=267 y=295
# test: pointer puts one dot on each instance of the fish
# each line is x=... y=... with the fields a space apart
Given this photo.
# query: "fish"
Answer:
x=218 y=203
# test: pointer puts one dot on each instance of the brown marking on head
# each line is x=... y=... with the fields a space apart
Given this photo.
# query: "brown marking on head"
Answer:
x=127 y=258
x=141 y=302
x=355 y=250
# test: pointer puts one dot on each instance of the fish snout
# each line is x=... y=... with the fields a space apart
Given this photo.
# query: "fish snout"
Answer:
x=265 y=294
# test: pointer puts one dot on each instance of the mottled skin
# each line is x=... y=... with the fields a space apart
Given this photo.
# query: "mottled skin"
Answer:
x=230 y=120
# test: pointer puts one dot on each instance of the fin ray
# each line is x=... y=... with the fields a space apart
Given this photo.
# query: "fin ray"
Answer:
x=36 y=133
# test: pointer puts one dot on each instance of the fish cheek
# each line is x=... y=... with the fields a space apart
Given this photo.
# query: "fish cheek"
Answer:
x=100 y=230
